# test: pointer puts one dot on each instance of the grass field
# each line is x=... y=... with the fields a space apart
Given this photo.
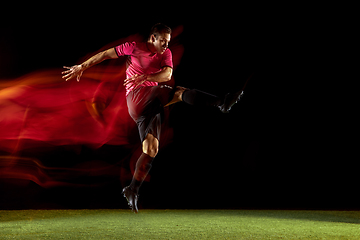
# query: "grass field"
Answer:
x=179 y=224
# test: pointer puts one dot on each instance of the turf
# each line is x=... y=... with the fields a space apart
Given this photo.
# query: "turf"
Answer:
x=179 y=224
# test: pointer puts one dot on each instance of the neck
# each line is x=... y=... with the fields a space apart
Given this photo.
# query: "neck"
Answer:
x=150 y=46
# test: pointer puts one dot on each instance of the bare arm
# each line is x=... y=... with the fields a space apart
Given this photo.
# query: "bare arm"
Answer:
x=77 y=70
x=98 y=58
x=163 y=75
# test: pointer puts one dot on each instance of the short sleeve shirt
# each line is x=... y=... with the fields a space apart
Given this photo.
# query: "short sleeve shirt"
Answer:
x=143 y=61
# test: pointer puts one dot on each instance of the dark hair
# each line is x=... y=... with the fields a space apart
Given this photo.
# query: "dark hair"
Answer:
x=158 y=29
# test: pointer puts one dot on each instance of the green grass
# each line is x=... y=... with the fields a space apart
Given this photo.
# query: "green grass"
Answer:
x=179 y=224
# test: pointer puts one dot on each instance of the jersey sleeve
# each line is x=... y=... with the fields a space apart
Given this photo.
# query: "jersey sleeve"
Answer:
x=167 y=59
x=125 y=49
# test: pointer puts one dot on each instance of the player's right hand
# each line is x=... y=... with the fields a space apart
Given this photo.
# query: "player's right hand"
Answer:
x=74 y=71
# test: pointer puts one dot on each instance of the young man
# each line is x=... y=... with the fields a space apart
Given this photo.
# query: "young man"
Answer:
x=150 y=63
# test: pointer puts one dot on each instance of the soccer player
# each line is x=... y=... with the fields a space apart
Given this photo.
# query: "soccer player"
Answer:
x=150 y=63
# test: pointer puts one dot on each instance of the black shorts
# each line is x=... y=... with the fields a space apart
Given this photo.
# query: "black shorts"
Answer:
x=146 y=108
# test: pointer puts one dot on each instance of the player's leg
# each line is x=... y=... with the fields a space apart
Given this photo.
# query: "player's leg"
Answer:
x=177 y=95
x=150 y=147
x=145 y=108
x=200 y=98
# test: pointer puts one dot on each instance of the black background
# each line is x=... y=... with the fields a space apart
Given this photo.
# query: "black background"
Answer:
x=281 y=147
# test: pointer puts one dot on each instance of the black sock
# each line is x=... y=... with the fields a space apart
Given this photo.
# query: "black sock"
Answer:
x=143 y=166
x=199 y=98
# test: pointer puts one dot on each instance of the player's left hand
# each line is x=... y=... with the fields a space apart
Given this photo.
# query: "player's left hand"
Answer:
x=135 y=80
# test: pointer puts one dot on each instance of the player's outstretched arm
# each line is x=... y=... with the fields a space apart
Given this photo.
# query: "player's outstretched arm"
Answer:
x=77 y=70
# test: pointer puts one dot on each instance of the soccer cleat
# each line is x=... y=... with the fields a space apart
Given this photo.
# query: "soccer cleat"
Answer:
x=230 y=100
x=132 y=198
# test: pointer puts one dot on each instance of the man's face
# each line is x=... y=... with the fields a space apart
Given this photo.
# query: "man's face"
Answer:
x=161 y=43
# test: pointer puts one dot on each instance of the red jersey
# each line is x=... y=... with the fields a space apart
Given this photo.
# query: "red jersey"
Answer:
x=143 y=61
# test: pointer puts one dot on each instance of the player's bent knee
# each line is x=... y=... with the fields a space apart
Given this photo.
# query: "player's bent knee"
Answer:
x=152 y=151
x=150 y=145
x=179 y=92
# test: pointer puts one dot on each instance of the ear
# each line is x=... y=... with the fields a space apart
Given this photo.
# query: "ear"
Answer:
x=153 y=38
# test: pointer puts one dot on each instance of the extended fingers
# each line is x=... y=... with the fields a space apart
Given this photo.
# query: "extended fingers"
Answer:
x=68 y=77
x=127 y=81
x=139 y=83
x=130 y=79
x=71 y=73
x=66 y=70
x=135 y=80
